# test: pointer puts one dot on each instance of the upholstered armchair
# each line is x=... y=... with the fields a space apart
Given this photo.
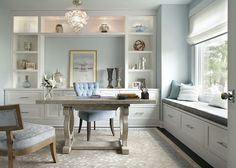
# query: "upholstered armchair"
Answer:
x=87 y=90
x=18 y=138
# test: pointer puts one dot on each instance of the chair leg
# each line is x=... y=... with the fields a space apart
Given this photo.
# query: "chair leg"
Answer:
x=88 y=130
x=53 y=151
x=94 y=125
x=112 y=126
x=80 y=125
x=11 y=157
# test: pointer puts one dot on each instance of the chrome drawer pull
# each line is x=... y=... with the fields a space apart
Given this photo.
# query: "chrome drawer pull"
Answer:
x=24 y=97
x=170 y=116
x=25 y=112
x=223 y=144
x=189 y=126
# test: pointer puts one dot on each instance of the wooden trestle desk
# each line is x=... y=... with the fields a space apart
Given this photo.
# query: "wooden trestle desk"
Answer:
x=71 y=103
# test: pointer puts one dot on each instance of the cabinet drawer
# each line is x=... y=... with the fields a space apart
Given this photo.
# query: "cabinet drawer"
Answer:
x=171 y=116
x=218 y=141
x=22 y=97
x=194 y=128
x=30 y=111
x=143 y=113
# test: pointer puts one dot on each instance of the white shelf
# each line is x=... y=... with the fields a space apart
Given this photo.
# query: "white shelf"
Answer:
x=25 y=34
x=26 y=70
x=140 y=70
x=140 y=52
x=140 y=33
x=26 y=52
x=96 y=34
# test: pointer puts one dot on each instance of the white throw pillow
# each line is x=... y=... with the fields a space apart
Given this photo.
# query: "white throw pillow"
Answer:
x=188 y=93
x=218 y=102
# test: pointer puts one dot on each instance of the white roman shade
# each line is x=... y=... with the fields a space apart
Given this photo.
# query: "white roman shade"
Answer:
x=208 y=22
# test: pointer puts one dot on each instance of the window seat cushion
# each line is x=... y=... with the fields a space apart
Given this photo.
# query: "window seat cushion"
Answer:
x=201 y=109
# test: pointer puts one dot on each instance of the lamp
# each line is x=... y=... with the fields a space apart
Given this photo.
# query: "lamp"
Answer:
x=76 y=17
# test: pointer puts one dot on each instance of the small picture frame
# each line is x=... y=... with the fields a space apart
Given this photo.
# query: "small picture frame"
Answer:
x=143 y=82
x=30 y=65
x=136 y=84
x=59 y=28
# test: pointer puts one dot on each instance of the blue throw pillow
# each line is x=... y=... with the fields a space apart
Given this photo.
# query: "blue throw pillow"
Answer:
x=175 y=88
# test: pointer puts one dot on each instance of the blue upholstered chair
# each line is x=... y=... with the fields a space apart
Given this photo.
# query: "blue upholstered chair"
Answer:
x=18 y=138
x=86 y=90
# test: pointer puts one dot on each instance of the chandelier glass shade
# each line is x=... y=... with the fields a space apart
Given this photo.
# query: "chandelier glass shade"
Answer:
x=76 y=17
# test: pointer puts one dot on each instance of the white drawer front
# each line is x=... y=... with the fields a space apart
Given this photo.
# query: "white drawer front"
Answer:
x=171 y=116
x=218 y=141
x=22 y=97
x=142 y=113
x=30 y=111
x=194 y=128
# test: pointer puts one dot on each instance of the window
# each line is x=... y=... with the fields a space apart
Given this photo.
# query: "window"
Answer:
x=211 y=66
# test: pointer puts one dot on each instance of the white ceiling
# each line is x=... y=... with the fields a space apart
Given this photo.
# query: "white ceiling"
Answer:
x=89 y=4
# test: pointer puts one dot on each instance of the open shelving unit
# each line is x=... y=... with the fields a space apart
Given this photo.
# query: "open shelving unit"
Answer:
x=33 y=30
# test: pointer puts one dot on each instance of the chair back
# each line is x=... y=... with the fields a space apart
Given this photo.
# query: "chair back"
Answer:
x=85 y=89
x=10 y=118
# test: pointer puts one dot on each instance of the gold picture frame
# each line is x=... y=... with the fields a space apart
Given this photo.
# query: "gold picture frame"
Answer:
x=83 y=66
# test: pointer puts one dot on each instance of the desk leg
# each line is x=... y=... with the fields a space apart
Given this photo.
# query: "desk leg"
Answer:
x=68 y=129
x=124 y=112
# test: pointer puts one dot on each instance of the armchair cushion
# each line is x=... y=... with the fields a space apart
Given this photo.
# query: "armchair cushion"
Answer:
x=27 y=137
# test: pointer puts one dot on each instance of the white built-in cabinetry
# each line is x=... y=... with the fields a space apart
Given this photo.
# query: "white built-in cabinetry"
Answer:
x=206 y=138
x=145 y=115
x=28 y=45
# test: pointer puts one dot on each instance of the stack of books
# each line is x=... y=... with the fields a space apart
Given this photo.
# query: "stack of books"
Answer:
x=127 y=96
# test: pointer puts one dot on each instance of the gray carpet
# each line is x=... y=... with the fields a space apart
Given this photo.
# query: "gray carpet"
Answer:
x=148 y=148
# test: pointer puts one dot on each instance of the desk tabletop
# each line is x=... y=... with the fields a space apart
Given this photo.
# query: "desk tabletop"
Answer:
x=85 y=101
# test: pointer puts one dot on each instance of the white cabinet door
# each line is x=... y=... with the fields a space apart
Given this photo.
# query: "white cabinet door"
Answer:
x=218 y=141
x=193 y=128
x=171 y=117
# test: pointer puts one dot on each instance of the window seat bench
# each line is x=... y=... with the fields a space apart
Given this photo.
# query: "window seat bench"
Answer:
x=200 y=127
x=201 y=109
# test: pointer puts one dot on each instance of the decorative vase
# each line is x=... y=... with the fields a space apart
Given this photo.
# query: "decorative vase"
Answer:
x=109 y=73
x=104 y=28
x=48 y=93
x=26 y=83
x=118 y=77
x=58 y=78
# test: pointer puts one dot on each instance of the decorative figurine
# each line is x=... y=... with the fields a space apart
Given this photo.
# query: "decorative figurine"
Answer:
x=59 y=28
x=139 y=45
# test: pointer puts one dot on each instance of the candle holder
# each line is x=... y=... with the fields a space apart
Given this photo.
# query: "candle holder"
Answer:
x=118 y=77
x=109 y=73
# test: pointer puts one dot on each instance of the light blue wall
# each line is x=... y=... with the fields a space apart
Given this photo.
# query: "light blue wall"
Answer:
x=173 y=47
x=194 y=3
x=5 y=58
x=110 y=53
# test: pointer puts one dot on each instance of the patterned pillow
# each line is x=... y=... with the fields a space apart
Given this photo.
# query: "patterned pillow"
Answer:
x=188 y=93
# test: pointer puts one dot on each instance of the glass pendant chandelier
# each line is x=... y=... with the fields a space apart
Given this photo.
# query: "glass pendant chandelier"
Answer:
x=76 y=17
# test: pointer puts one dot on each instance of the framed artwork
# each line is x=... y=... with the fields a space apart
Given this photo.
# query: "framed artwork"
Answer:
x=83 y=66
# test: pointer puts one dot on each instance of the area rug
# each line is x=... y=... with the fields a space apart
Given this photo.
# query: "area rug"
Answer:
x=149 y=148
